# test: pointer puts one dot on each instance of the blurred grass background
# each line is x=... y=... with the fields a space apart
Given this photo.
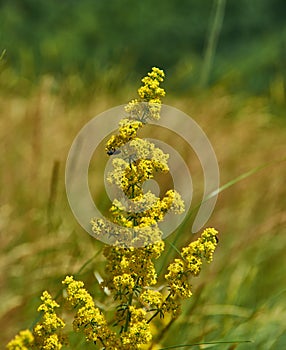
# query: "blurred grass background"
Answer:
x=65 y=62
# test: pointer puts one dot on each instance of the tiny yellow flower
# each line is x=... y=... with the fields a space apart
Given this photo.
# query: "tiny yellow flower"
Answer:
x=22 y=341
x=47 y=332
x=190 y=264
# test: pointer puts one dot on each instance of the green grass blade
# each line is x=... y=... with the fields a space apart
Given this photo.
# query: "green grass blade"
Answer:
x=219 y=190
x=206 y=343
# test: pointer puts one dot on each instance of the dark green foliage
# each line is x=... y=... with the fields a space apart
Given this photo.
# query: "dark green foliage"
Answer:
x=89 y=38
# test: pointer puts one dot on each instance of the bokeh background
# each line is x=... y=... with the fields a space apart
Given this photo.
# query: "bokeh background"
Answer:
x=62 y=63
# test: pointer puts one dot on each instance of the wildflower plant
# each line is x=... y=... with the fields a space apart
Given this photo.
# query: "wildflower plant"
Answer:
x=135 y=244
x=136 y=214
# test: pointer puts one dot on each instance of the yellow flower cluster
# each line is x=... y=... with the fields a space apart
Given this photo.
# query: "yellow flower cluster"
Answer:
x=22 y=341
x=46 y=332
x=152 y=93
x=132 y=267
x=88 y=318
x=137 y=173
x=138 y=331
x=124 y=236
x=124 y=283
x=139 y=111
x=149 y=105
x=139 y=160
x=92 y=323
x=130 y=274
x=151 y=90
x=135 y=242
x=147 y=209
x=151 y=299
x=190 y=264
x=127 y=132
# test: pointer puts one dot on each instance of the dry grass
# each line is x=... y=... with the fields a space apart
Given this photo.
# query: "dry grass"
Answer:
x=241 y=296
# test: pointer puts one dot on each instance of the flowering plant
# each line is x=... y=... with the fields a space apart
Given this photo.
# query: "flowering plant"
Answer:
x=136 y=242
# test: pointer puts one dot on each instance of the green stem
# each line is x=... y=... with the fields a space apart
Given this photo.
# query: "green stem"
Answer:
x=156 y=313
x=102 y=342
x=128 y=313
x=129 y=304
x=212 y=41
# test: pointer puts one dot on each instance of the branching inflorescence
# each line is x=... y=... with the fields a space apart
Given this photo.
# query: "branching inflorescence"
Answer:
x=136 y=242
x=135 y=214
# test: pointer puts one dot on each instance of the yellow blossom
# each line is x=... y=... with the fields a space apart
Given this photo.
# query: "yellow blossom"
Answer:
x=88 y=319
x=139 y=330
x=151 y=298
x=151 y=90
x=192 y=258
x=22 y=341
x=127 y=131
x=47 y=332
x=124 y=283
